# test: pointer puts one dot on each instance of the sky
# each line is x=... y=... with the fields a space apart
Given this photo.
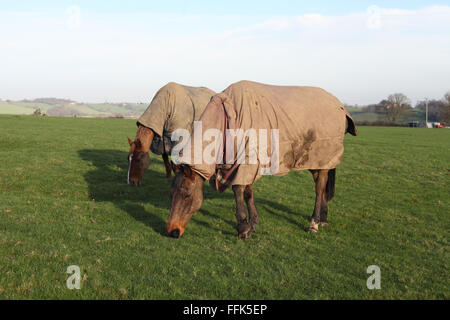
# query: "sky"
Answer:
x=116 y=51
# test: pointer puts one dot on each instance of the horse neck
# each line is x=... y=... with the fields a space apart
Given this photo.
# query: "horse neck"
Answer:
x=145 y=135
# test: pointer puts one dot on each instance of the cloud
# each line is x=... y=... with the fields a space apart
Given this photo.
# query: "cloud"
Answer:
x=313 y=21
x=433 y=18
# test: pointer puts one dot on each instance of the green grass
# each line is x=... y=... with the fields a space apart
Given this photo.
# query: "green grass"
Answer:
x=366 y=116
x=64 y=201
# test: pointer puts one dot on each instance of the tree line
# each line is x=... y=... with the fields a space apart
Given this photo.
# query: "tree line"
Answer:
x=394 y=107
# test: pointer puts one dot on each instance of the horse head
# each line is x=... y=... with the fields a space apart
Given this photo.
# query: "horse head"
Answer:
x=186 y=195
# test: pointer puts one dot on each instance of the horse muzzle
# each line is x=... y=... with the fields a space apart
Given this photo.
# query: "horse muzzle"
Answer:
x=134 y=183
x=175 y=234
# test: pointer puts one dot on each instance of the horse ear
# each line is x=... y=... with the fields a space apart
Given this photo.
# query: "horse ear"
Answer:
x=175 y=168
x=187 y=171
x=130 y=141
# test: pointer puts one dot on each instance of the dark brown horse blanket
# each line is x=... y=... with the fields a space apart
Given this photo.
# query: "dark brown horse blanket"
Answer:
x=174 y=106
x=304 y=129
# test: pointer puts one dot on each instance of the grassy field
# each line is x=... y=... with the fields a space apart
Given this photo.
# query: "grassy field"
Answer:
x=64 y=201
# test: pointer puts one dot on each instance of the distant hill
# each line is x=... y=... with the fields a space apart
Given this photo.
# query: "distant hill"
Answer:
x=68 y=108
x=53 y=101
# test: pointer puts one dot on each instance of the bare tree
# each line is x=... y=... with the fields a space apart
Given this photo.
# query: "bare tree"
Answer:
x=446 y=108
x=395 y=106
x=435 y=109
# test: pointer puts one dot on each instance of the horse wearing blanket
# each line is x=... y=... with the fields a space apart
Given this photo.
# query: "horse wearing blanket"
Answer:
x=174 y=106
x=296 y=128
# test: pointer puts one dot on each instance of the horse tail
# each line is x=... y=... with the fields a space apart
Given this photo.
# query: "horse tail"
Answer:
x=351 y=128
x=329 y=189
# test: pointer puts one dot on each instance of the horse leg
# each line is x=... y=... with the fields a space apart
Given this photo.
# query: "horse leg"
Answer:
x=165 y=157
x=320 y=177
x=329 y=194
x=324 y=213
x=243 y=227
x=252 y=211
x=324 y=203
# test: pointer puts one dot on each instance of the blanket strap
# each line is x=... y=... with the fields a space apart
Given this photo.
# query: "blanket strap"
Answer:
x=224 y=172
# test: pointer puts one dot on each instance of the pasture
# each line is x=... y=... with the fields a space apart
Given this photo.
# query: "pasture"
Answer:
x=64 y=201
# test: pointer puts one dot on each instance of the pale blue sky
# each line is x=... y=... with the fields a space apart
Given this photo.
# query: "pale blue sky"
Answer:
x=247 y=7
x=125 y=50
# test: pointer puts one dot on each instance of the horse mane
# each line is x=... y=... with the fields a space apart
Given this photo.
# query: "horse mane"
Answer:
x=144 y=138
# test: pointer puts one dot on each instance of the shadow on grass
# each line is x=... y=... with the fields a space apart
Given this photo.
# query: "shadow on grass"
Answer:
x=107 y=183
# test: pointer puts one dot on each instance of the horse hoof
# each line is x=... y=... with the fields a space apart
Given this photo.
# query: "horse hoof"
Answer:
x=313 y=227
x=243 y=236
x=244 y=231
x=324 y=224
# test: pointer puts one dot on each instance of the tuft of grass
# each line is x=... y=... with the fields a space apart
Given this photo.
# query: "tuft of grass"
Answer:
x=64 y=201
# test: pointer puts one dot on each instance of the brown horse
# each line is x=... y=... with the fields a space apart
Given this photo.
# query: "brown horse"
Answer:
x=311 y=124
x=174 y=106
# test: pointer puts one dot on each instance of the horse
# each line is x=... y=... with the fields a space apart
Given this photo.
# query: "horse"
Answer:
x=173 y=106
x=311 y=123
